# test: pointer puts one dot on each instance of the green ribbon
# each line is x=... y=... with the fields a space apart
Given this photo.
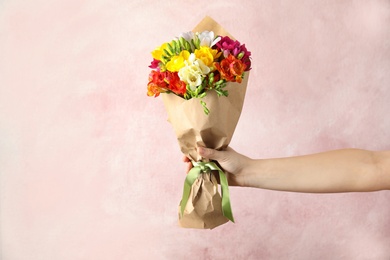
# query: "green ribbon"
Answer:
x=193 y=174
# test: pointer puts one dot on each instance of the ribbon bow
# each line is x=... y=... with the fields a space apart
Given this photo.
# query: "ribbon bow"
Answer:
x=193 y=174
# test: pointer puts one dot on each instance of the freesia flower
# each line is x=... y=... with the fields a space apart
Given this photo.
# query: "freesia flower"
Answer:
x=159 y=51
x=154 y=90
x=157 y=83
x=188 y=36
x=246 y=57
x=231 y=69
x=177 y=61
x=228 y=46
x=207 y=39
x=160 y=82
x=154 y=64
x=197 y=59
x=192 y=60
x=207 y=55
x=175 y=84
x=205 y=69
x=191 y=75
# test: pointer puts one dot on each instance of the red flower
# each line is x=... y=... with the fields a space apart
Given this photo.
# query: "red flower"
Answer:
x=231 y=69
x=160 y=82
x=175 y=84
x=157 y=83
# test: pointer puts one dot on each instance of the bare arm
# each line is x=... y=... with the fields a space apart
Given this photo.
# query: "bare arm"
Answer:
x=346 y=170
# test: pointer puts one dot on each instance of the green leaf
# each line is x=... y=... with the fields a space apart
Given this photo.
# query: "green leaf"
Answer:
x=182 y=43
x=211 y=79
x=171 y=48
x=176 y=47
x=219 y=82
x=188 y=47
x=197 y=43
x=202 y=95
x=167 y=53
x=193 y=43
x=205 y=109
x=199 y=90
x=190 y=92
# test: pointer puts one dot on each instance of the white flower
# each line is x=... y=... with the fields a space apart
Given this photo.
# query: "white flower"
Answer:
x=188 y=36
x=207 y=38
x=193 y=72
x=191 y=75
x=205 y=70
x=192 y=60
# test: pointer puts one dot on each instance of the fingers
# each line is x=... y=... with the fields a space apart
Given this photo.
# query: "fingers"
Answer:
x=188 y=167
x=209 y=153
x=188 y=163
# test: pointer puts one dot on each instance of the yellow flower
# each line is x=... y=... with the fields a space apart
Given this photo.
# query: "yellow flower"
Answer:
x=185 y=54
x=177 y=61
x=159 y=51
x=207 y=55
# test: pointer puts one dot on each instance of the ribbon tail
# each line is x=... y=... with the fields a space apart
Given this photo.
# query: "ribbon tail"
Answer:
x=190 y=179
x=226 y=206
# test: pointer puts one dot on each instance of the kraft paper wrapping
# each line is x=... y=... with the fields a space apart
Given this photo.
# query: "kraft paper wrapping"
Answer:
x=205 y=209
x=194 y=128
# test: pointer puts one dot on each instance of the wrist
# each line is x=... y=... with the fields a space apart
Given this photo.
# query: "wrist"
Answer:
x=251 y=173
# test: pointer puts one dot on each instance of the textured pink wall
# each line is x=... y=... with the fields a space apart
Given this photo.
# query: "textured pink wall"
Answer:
x=90 y=168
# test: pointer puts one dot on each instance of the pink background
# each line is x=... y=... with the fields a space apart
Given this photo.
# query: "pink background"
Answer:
x=90 y=168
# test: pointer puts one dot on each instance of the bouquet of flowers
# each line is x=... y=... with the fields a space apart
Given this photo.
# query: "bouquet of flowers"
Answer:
x=203 y=76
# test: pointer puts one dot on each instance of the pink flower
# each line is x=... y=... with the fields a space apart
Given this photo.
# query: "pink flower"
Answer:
x=154 y=64
x=246 y=57
x=228 y=46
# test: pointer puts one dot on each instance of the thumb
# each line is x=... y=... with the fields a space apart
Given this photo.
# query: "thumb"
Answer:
x=210 y=153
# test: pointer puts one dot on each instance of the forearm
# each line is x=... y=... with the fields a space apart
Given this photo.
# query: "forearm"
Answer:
x=345 y=170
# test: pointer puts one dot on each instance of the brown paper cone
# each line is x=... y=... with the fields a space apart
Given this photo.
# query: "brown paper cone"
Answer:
x=194 y=128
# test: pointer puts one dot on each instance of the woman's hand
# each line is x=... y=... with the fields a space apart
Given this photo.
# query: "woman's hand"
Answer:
x=231 y=162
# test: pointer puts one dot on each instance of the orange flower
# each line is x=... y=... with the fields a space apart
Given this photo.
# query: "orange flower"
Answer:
x=231 y=69
x=154 y=90
x=157 y=83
